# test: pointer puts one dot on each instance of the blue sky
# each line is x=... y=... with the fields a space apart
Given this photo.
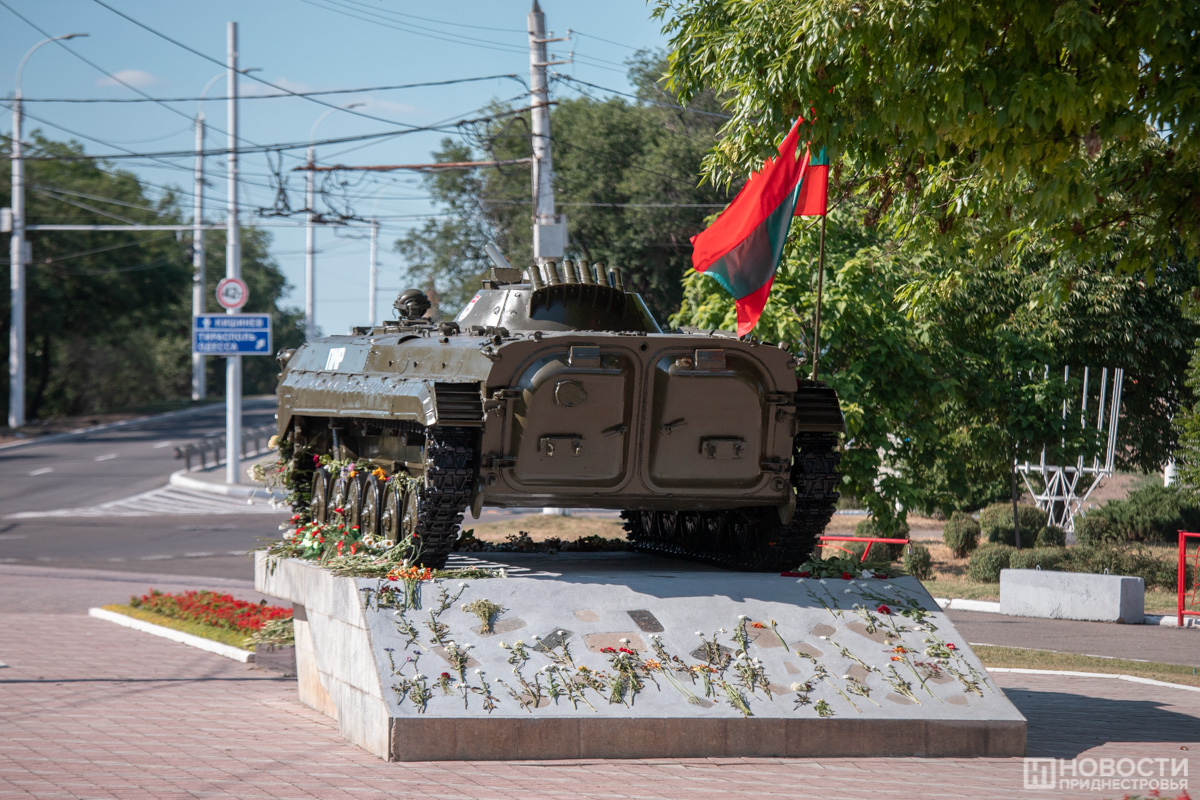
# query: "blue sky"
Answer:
x=302 y=45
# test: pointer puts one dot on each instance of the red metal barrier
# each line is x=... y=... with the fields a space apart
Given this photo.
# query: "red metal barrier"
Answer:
x=870 y=540
x=1183 y=609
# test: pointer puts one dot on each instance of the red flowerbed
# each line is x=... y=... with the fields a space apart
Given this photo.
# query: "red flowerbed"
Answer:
x=210 y=608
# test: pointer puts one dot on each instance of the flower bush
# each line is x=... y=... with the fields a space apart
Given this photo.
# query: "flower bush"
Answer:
x=218 y=610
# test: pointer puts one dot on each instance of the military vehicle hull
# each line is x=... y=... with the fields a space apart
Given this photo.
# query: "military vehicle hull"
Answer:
x=709 y=444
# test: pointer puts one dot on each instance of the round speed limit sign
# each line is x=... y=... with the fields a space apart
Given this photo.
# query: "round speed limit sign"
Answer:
x=232 y=293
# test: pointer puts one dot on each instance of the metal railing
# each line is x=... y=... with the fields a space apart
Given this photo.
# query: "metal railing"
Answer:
x=211 y=451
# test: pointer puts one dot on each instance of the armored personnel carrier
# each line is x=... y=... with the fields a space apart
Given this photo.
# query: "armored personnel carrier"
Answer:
x=555 y=387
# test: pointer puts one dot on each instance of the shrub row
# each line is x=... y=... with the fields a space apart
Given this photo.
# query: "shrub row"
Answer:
x=987 y=561
x=1151 y=514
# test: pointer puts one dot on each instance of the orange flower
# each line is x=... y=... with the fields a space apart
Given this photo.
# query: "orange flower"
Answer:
x=899 y=649
x=652 y=664
x=897 y=658
x=757 y=625
x=378 y=473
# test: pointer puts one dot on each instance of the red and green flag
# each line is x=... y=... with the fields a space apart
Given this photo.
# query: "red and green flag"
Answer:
x=813 y=200
x=742 y=248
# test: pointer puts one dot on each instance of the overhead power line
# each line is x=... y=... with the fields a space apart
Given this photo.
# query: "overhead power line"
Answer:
x=276 y=95
x=263 y=81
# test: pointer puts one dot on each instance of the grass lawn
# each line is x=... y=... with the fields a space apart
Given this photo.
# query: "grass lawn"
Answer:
x=546 y=526
x=222 y=635
x=1015 y=657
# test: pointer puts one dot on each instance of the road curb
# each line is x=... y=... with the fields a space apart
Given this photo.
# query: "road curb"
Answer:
x=183 y=480
x=992 y=607
x=234 y=653
x=1072 y=674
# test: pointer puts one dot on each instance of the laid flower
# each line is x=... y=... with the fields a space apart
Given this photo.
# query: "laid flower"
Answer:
x=758 y=625
x=950 y=646
x=883 y=609
x=897 y=658
x=899 y=649
x=846 y=576
x=624 y=641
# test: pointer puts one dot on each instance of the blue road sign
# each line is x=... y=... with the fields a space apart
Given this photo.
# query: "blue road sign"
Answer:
x=232 y=335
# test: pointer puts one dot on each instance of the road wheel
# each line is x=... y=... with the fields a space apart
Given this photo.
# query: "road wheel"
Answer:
x=356 y=486
x=318 y=506
x=372 y=507
x=398 y=519
x=338 y=496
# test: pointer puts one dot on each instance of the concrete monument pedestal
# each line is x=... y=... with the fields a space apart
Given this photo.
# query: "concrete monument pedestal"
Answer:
x=619 y=655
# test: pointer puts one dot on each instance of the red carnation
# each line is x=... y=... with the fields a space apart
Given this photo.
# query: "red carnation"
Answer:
x=950 y=647
x=846 y=576
x=883 y=609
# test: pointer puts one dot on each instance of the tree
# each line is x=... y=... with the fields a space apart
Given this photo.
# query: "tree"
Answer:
x=625 y=175
x=1018 y=161
x=939 y=399
x=108 y=314
x=975 y=129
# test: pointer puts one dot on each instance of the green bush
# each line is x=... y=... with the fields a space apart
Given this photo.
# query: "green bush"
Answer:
x=961 y=534
x=869 y=527
x=1051 y=536
x=1152 y=514
x=987 y=561
x=1156 y=571
x=1094 y=530
x=996 y=523
x=1048 y=558
x=918 y=562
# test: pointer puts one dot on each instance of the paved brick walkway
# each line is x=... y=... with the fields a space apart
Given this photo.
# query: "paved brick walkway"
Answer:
x=92 y=710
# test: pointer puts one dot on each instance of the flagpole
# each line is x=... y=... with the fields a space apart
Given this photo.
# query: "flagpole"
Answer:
x=820 y=287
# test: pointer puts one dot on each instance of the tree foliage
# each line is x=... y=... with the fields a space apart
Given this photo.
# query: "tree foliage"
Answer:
x=940 y=398
x=976 y=129
x=108 y=313
x=625 y=175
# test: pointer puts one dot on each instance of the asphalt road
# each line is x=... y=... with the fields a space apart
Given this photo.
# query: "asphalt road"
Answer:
x=108 y=465
x=56 y=477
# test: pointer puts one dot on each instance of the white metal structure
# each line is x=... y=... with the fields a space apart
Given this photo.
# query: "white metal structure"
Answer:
x=1066 y=488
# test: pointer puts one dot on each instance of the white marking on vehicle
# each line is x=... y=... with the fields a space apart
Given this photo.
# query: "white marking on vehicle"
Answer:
x=108 y=457
x=42 y=471
x=334 y=360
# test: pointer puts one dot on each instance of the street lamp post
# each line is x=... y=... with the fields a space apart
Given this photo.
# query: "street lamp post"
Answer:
x=16 y=330
x=310 y=233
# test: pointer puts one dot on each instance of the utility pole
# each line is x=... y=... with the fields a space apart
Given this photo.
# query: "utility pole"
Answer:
x=549 y=229
x=373 y=276
x=233 y=269
x=19 y=253
x=198 y=278
x=16 y=328
x=310 y=250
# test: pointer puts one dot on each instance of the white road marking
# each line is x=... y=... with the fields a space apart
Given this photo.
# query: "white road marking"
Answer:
x=42 y=471
x=164 y=501
x=161 y=445
x=108 y=457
